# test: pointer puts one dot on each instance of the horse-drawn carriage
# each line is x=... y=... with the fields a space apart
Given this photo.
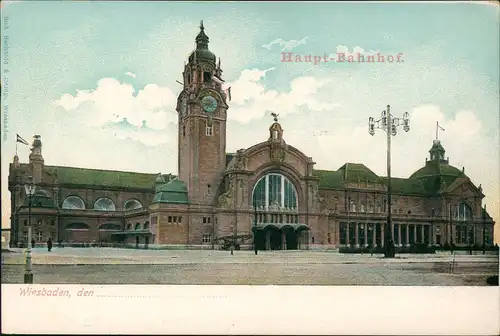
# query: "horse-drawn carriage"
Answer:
x=235 y=241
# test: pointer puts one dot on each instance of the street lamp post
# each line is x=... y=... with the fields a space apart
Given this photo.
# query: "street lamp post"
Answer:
x=484 y=229
x=255 y=229
x=30 y=191
x=389 y=124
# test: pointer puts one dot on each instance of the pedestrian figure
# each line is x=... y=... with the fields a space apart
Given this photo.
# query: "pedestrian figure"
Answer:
x=32 y=242
x=232 y=248
x=49 y=244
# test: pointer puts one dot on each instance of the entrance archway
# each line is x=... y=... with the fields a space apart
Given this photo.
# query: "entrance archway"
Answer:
x=290 y=238
x=281 y=237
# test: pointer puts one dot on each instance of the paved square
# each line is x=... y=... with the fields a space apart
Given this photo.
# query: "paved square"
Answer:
x=129 y=266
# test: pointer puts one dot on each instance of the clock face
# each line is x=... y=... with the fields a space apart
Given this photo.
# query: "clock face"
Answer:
x=209 y=103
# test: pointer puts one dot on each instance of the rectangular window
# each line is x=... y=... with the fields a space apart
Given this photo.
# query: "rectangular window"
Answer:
x=208 y=131
x=170 y=219
x=206 y=239
x=206 y=220
x=184 y=130
x=154 y=220
x=179 y=219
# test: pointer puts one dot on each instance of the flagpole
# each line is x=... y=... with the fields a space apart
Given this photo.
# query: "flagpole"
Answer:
x=16 y=144
x=437 y=125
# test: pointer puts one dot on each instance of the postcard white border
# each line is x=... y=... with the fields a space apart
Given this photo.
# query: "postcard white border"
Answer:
x=347 y=310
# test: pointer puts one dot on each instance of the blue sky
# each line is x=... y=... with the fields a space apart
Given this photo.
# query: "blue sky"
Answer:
x=124 y=59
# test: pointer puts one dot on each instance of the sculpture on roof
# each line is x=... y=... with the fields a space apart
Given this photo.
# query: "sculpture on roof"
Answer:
x=275 y=116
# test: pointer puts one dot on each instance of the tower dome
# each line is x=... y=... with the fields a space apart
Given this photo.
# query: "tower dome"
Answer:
x=202 y=52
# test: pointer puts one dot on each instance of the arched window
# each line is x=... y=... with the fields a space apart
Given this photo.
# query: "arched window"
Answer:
x=464 y=212
x=146 y=225
x=275 y=190
x=129 y=226
x=73 y=202
x=132 y=204
x=104 y=204
x=137 y=226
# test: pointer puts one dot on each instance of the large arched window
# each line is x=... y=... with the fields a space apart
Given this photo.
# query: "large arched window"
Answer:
x=104 y=204
x=73 y=202
x=275 y=191
x=464 y=212
x=137 y=226
x=132 y=204
x=146 y=226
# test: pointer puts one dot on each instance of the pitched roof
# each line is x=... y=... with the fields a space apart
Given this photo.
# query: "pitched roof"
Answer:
x=354 y=172
x=406 y=186
x=174 y=191
x=99 y=177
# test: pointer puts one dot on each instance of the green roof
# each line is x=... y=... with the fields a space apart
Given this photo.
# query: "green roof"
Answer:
x=406 y=186
x=174 y=191
x=329 y=179
x=437 y=174
x=354 y=172
x=107 y=178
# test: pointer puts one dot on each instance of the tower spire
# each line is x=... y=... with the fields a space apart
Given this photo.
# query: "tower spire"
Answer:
x=202 y=38
x=437 y=130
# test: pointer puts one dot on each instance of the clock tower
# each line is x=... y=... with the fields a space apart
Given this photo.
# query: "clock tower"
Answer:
x=202 y=112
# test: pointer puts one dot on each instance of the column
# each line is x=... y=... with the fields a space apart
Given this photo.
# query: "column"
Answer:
x=408 y=235
x=374 y=234
x=382 y=234
x=283 y=240
x=268 y=239
x=366 y=234
x=347 y=235
x=356 y=235
x=399 y=234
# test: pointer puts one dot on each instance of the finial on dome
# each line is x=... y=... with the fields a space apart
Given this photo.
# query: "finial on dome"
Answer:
x=201 y=25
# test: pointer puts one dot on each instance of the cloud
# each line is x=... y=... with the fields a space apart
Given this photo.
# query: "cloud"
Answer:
x=130 y=74
x=286 y=45
x=344 y=51
x=251 y=100
x=119 y=108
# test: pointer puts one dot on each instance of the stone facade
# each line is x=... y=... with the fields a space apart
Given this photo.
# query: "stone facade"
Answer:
x=269 y=194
